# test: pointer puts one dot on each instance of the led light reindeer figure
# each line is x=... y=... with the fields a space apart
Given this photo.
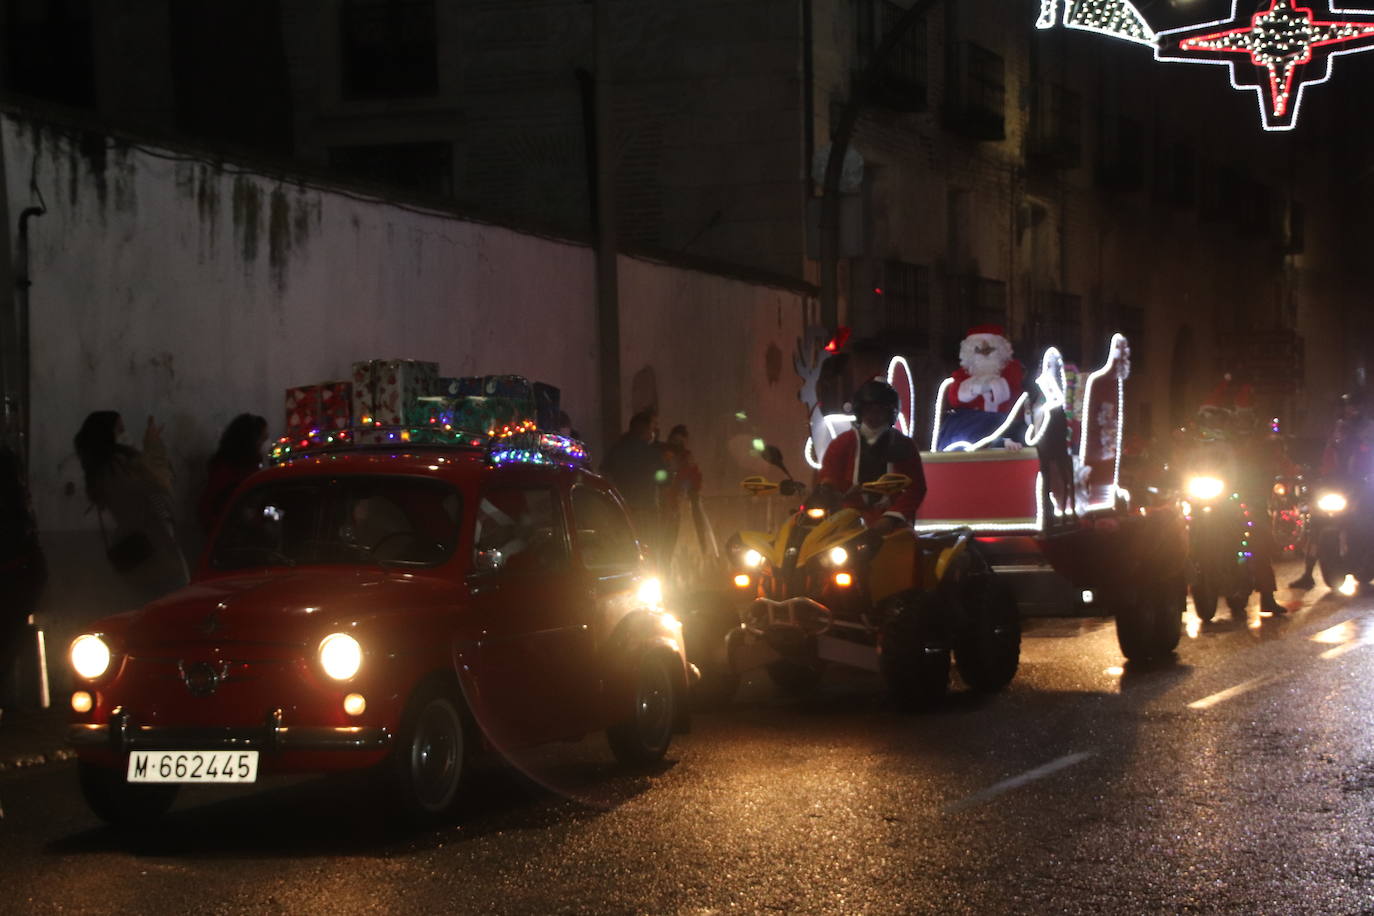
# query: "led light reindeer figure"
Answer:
x=1049 y=431
x=808 y=361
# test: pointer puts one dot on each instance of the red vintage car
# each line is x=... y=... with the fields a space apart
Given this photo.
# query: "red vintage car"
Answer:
x=398 y=608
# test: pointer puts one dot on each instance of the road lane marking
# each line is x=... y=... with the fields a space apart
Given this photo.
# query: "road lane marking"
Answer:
x=1231 y=692
x=1014 y=782
x=1340 y=650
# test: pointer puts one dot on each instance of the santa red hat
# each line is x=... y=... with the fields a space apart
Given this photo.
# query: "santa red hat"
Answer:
x=995 y=330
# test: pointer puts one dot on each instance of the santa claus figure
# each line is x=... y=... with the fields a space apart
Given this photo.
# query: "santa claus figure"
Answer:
x=982 y=390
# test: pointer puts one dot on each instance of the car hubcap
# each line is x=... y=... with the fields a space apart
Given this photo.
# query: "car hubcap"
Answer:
x=436 y=754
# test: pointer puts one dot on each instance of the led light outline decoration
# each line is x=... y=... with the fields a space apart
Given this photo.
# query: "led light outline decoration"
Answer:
x=1118 y=352
x=1074 y=13
x=907 y=425
x=995 y=434
x=1241 y=58
x=939 y=412
x=1038 y=525
x=1053 y=400
x=829 y=420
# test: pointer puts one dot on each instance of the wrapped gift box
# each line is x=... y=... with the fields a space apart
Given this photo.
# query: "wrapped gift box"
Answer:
x=302 y=410
x=335 y=405
x=387 y=391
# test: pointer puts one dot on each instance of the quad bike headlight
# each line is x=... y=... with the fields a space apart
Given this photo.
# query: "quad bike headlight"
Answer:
x=1204 y=488
x=90 y=656
x=340 y=656
x=1332 y=502
x=1280 y=489
x=838 y=556
x=752 y=558
x=815 y=512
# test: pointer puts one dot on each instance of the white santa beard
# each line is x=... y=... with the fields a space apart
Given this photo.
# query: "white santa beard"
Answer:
x=981 y=365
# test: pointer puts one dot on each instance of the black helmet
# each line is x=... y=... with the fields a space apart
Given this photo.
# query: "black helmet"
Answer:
x=876 y=391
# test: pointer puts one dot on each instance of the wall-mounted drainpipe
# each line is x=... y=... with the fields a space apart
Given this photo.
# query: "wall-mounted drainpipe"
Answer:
x=22 y=282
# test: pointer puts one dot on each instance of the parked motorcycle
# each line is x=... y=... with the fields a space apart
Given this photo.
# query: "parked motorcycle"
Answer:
x=825 y=589
x=1220 y=529
x=1343 y=532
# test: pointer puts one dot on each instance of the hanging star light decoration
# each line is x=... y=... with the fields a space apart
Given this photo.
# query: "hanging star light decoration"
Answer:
x=1117 y=18
x=1277 y=53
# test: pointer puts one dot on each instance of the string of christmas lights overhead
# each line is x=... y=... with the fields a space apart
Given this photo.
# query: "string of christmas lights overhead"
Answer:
x=1276 y=52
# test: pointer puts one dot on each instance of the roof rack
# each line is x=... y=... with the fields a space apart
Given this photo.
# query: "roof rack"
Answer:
x=515 y=443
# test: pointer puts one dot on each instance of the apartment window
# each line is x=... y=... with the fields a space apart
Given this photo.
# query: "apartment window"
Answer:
x=47 y=50
x=903 y=298
x=390 y=48
x=425 y=168
x=1056 y=126
x=1056 y=321
x=973 y=300
x=901 y=82
x=978 y=104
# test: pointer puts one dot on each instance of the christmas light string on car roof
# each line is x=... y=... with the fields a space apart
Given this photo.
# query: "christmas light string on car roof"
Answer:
x=1276 y=52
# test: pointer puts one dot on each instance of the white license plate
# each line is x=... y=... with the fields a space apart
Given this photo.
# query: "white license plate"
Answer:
x=193 y=766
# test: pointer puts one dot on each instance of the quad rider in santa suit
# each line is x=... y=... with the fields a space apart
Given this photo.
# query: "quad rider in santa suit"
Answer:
x=984 y=389
x=870 y=450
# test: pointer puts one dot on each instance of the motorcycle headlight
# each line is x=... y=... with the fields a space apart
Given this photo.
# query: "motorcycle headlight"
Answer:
x=90 y=656
x=340 y=656
x=1204 y=488
x=752 y=558
x=1332 y=502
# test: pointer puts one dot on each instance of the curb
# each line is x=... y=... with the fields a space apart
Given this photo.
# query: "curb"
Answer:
x=32 y=738
x=28 y=761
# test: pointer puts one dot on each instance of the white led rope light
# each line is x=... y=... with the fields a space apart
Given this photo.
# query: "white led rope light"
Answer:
x=829 y=420
x=939 y=412
x=997 y=434
x=907 y=425
x=1116 y=353
x=1053 y=384
x=1038 y=525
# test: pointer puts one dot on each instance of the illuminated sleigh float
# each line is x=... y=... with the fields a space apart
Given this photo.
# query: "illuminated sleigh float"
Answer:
x=1053 y=515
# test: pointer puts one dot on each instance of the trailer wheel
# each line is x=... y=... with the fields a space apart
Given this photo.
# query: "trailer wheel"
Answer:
x=988 y=649
x=1205 y=602
x=913 y=652
x=1149 y=618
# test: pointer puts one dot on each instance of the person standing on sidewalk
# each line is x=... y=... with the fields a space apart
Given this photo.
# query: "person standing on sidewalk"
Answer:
x=133 y=490
x=238 y=456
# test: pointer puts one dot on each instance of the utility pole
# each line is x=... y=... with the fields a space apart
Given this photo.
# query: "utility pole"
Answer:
x=840 y=135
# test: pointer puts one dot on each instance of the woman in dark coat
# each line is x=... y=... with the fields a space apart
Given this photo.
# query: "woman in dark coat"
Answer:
x=238 y=456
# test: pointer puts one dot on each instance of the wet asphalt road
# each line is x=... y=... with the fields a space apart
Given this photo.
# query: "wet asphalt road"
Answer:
x=1239 y=778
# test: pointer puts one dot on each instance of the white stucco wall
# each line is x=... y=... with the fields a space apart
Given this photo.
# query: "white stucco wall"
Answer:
x=166 y=284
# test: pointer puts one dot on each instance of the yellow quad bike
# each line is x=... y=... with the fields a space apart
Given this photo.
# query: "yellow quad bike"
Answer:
x=825 y=589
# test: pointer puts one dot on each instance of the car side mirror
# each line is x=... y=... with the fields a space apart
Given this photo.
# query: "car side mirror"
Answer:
x=488 y=560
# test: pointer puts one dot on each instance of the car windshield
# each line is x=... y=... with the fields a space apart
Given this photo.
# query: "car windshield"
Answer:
x=341 y=520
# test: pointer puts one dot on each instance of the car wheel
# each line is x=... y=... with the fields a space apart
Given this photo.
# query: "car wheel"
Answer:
x=1329 y=558
x=988 y=650
x=431 y=753
x=120 y=803
x=644 y=735
x=913 y=657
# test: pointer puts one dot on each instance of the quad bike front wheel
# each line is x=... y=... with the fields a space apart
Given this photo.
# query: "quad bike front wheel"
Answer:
x=987 y=650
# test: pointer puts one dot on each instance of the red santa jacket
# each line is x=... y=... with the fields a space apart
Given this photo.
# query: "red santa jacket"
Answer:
x=999 y=400
x=850 y=461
